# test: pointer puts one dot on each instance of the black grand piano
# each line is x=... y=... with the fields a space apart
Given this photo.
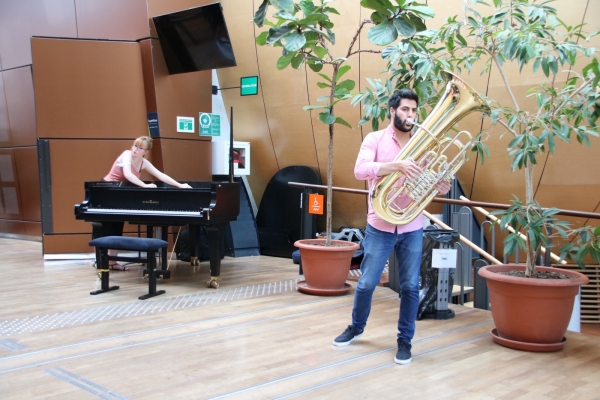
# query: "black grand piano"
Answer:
x=207 y=203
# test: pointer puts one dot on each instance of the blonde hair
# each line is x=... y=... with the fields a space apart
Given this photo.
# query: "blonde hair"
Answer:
x=143 y=142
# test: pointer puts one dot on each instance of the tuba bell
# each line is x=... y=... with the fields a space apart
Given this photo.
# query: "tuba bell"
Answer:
x=399 y=200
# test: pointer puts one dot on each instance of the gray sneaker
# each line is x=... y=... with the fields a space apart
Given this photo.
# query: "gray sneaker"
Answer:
x=348 y=336
x=403 y=355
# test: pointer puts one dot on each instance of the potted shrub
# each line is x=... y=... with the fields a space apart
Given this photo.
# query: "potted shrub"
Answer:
x=530 y=34
x=305 y=32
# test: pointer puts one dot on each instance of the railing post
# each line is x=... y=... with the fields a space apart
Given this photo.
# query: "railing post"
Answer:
x=548 y=253
x=482 y=297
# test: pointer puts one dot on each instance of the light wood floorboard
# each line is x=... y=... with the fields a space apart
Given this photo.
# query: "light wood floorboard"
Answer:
x=196 y=343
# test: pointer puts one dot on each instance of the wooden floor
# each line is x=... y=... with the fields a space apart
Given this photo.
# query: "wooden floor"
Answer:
x=255 y=337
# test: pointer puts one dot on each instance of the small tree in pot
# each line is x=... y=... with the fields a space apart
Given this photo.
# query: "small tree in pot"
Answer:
x=528 y=33
x=305 y=32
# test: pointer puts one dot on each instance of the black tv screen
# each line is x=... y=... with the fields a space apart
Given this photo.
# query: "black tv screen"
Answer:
x=195 y=39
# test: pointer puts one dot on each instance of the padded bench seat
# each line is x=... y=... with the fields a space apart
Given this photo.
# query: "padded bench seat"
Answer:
x=148 y=245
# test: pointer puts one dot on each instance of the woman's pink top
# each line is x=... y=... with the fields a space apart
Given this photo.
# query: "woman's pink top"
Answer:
x=116 y=172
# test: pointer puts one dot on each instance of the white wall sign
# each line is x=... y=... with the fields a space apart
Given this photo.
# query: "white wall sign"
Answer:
x=185 y=125
x=443 y=258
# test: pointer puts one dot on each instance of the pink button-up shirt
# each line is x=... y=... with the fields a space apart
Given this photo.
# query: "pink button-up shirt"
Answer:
x=378 y=148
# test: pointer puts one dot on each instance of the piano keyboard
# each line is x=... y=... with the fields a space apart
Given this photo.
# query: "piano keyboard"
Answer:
x=145 y=212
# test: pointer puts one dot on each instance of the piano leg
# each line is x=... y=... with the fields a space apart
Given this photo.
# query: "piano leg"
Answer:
x=102 y=267
x=164 y=235
x=195 y=240
x=215 y=235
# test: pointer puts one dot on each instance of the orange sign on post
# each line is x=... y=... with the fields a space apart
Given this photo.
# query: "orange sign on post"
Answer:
x=315 y=204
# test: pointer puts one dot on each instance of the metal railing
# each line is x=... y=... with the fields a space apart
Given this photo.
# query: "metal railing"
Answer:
x=481 y=299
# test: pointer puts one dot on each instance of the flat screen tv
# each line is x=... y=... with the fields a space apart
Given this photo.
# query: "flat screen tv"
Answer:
x=195 y=39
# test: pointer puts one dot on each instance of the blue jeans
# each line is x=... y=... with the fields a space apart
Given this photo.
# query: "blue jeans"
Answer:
x=378 y=246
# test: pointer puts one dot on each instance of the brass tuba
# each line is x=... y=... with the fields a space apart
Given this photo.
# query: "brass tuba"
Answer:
x=427 y=148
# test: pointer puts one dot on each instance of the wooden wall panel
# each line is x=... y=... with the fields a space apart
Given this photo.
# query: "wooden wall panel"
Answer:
x=64 y=244
x=88 y=89
x=180 y=94
x=4 y=125
x=250 y=118
x=26 y=161
x=74 y=162
x=185 y=159
x=20 y=20
x=10 y=201
x=183 y=95
x=148 y=73
x=112 y=19
x=12 y=227
x=18 y=87
x=24 y=229
x=33 y=229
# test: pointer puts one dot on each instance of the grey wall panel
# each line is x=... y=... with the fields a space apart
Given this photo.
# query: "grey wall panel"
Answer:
x=112 y=19
x=4 y=125
x=20 y=20
x=20 y=103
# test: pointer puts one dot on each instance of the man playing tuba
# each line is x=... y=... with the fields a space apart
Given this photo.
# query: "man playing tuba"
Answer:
x=376 y=158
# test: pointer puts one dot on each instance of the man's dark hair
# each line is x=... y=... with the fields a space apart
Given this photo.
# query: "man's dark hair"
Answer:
x=394 y=100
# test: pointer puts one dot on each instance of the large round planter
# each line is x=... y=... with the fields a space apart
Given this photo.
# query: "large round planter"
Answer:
x=325 y=267
x=531 y=314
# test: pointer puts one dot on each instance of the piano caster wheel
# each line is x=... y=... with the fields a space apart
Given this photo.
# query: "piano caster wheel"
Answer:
x=213 y=283
x=195 y=262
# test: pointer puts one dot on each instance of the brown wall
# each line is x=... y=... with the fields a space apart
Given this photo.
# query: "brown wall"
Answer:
x=112 y=19
x=187 y=160
x=280 y=132
x=182 y=95
x=91 y=99
x=18 y=89
x=20 y=20
x=88 y=89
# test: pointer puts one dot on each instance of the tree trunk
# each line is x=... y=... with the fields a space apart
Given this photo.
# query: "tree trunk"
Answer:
x=329 y=185
x=330 y=159
x=530 y=268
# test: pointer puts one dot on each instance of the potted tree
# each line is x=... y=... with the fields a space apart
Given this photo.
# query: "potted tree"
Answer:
x=531 y=305
x=305 y=32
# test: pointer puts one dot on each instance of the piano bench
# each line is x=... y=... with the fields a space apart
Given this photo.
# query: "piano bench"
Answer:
x=147 y=245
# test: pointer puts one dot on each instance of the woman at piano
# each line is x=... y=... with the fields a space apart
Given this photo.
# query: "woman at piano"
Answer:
x=128 y=167
x=130 y=164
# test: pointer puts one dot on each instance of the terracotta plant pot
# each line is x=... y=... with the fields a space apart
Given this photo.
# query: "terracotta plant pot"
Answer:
x=531 y=314
x=325 y=267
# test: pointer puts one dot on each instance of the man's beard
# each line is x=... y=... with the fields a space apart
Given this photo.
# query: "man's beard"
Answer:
x=401 y=124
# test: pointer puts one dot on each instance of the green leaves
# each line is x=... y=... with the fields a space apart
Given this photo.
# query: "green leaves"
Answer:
x=260 y=14
x=423 y=12
x=307 y=7
x=404 y=26
x=276 y=34
x=294 y=41
x=284 y=61
x=287 y=5
x=383 y=34
x=381 y=6
x=341 y=71
x=327 y=118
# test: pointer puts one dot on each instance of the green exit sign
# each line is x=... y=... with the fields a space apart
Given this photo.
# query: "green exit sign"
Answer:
x=248 y=85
